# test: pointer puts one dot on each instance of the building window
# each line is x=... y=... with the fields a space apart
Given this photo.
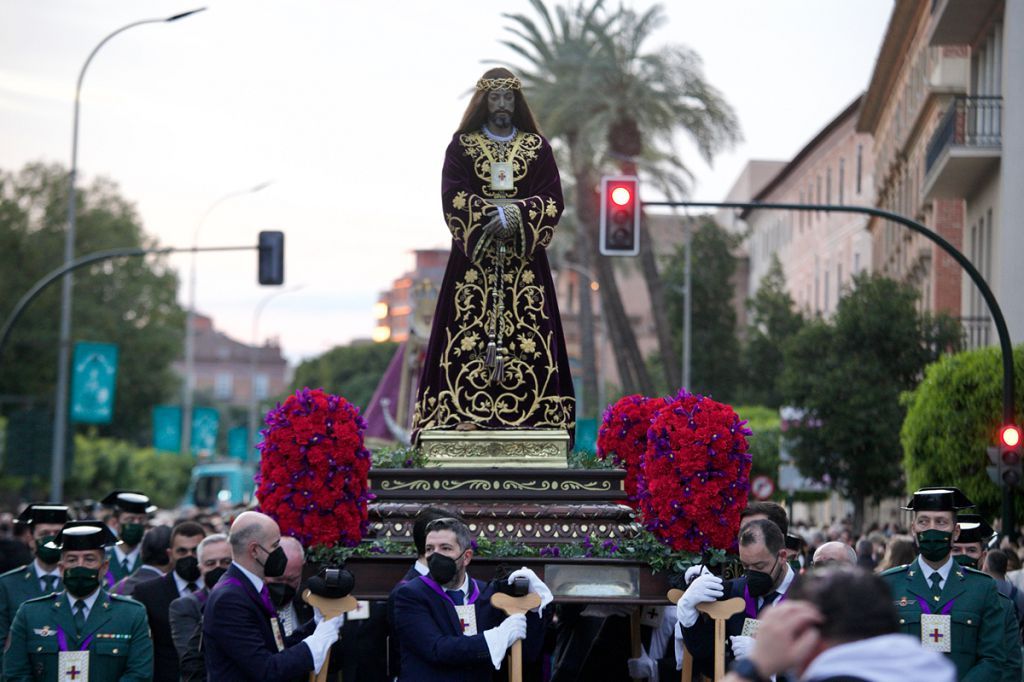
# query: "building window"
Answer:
x=828 y=185
x=826 y=288
x=856 y=263
x=842 y=179
x=261 y=385
x=860 y=160
x=839 y=281
x=223 y=385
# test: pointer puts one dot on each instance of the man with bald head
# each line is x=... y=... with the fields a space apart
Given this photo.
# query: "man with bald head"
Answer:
x=243 y=636
x=834 y=553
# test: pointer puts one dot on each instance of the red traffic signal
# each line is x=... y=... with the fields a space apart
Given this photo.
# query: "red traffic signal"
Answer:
x=1009 y=436
x=620 y=216
x=1009 y=464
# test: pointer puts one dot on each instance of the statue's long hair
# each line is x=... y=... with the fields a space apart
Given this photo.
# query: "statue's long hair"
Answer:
x=476 y=112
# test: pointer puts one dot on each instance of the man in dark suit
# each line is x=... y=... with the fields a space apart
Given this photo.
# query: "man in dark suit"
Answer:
x=447 y=627
x=243 y=637
x=418 y=568
x=157 y=595
x=186 y=613
x=766 y=580
x=155 y=545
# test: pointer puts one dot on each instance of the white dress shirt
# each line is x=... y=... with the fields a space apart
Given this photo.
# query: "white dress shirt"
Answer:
x=943 y=571
x=40 y=573
x=132 y=556
x=256 y=581
x=182 y=584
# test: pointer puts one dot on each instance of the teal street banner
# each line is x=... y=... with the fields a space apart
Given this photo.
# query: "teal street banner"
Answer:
x=94 y=377
x=238 y=443
x=167 y=428
x=205 y=424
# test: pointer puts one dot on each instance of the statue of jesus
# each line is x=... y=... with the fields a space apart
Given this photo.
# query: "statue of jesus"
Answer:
x=496 y=357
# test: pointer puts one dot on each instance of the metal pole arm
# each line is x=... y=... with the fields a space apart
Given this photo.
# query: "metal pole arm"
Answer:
x=88 y=259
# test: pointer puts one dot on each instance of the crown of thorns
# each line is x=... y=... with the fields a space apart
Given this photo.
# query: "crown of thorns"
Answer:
x=512 y=83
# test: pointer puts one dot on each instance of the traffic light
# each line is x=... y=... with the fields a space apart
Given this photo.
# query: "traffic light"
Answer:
x=271 y=257
x=620 y=216
x=1009 y=464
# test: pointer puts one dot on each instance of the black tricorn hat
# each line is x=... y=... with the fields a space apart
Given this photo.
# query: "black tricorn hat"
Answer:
x=81 y=535
x=131 y=501
x=794 y=542
x=44 y=512
x=938 y=498
x=973 y=528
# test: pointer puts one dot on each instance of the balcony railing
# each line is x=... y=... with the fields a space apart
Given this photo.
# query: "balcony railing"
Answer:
x=976 y=331
x=969 y=122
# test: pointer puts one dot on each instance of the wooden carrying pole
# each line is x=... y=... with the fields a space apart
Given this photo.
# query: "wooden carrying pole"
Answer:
x=511 y=606
x=330 y=608
x=720 y=612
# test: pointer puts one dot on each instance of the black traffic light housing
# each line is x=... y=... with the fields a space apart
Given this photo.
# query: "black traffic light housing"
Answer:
x=271 y=257
x=620 y=215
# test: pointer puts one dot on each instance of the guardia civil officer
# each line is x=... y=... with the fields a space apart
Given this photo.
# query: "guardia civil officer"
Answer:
x=81 y=633
x=971 y=549
x=951 y=608
x=131 y=510
x=40 y=576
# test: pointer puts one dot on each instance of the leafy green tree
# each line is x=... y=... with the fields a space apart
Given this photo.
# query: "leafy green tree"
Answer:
x=774 y=319
x=351 y=371
x=103 y=464
x=615 y=103
x=849 y=373
x=715 y=354
x=952 y=416
x=130 y=302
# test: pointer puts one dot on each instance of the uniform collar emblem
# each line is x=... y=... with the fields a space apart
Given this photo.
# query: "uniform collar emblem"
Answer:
x=44 y=631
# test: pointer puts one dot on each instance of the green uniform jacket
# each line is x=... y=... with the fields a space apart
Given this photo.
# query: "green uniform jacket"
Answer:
x=115 y=571
x=17 y=586
x=978 y=621
x=121 y=648
x=1013 y=652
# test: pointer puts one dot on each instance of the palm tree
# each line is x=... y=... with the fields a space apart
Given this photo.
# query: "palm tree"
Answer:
x=609 y=101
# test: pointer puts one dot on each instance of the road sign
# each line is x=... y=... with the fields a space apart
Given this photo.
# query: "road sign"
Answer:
x=167 y=428
x=93 y=382
x=205 y=424
x=763 y=487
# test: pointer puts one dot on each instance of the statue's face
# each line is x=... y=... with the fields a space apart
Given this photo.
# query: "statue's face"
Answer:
x=501 y=104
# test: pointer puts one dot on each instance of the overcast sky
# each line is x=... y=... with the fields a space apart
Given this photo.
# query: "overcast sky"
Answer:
x=347 y=107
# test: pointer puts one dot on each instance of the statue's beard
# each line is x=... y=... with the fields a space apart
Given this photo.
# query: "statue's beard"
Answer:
x=500 y=119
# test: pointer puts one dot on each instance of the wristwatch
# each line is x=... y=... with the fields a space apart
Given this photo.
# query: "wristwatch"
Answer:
x=745 y=668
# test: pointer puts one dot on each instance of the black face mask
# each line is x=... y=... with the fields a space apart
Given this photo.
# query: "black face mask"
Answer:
x=760 y=583
x=80 y=581
x=281 y=594
x=187 y=567
x=966 y=560
x=935 y=545
x=275 y=564
x=47 y=555
x=131 y=533
x=442 y=568
x=211 y=577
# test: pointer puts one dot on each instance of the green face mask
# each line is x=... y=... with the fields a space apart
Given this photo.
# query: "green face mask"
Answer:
x=131 y=533
x=47 y=555
x=966 y=560
x=935 y=545
x=81 y=581
x=795 y=565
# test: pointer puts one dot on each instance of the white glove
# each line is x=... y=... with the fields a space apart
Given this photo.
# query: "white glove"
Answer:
x=706 y=588
x=536 y=585
x=500 y=638
x=643 y=668
x=323 y=637
x=693 y=571
x=741 y=645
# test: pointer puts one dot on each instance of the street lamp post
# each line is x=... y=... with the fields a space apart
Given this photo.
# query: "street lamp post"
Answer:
x=253 y=353
x=60 y=423
x=189 y=383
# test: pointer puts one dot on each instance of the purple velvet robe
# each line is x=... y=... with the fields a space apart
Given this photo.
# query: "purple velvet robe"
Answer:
x=498 y=293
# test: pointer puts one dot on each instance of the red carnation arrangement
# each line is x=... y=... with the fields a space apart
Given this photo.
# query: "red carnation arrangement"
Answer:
x=623 y=436
x=314 y=468
x=695 y=474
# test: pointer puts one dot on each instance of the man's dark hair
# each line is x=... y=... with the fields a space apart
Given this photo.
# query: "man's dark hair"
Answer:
x=854 y=604
x=188 y=529
x=419 y=525
x=462 y=534
x=995 y=563
x=775 y=512
x=155 y=544
x=763 y=530
x=865 y=548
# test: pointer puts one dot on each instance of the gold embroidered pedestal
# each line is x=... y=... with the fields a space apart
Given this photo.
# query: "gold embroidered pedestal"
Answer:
x=544 y=448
